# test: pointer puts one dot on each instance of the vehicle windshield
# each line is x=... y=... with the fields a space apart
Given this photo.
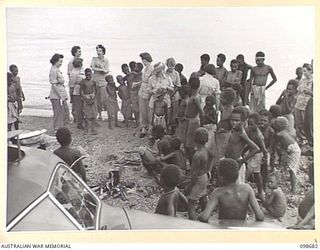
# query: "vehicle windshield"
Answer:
x=75 y=197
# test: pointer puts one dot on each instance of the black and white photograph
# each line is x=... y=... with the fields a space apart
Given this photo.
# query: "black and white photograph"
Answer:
x=153 y=118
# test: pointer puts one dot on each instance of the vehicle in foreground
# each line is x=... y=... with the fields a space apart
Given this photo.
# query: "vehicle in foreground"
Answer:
x=44 y=194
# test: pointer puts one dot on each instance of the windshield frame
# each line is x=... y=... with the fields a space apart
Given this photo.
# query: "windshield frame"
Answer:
x=47 y=193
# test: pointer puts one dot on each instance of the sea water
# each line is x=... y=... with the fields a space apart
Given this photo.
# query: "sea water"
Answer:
x=285 y=34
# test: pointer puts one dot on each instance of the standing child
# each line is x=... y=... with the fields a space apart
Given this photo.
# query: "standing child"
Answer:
x=287 y=102
x=124 y=94
x=233 y=76
x=112 y=101
x=209 y=119
x=76 y=76
x=238 y=141
x=223 y=132
x=174 y=96
x=192 y=114
x=16 y=80
x=182 y=121
x=13 y=117
x=238 y=89
x=200 y=169
x=136 y=83
x=221 y=71
x=69 y=154
x=292 y=152
x=160 y=109
x=172 y=198
x=276 y=203
x=258 y=79
x=255 y=163
x=269 y=141
x=179 y=69
x=244 y=68
x=204 y=60
x=299 y=74
x=88 y=94
x=232 y=199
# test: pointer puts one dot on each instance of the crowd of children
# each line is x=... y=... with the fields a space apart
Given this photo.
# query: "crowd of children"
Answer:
x=212 y=128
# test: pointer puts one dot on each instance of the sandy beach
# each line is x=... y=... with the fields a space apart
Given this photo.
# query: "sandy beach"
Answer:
x=115 y=150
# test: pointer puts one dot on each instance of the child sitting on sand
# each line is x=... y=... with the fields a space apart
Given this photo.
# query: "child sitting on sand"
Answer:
x=276 y=203
x=160 y=109
x=148 y=158
x=88 y=94
x=124 y=94
x=170 y=201
x=112 y=101
x=176 y=157
x=69 y=154
x=200 y=173
x=291 y=149
x=232 y=199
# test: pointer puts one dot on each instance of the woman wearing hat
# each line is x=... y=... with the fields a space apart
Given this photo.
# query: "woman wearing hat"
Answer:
x=145 y=93
x=100 y=67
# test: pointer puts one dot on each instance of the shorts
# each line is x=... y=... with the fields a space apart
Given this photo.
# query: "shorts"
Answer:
x=292 y=157
x=200 y=188
x=254 y=163
x=242 y=174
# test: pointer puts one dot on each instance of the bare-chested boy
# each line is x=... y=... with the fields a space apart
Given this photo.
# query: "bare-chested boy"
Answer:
x=221 y=71
x=88 y=94
x=160 y=109
x=232 y=199
x=176 y=156
x=269 y=141
x=255 y=163
x=172 y=198
x=193 y=112
x=204 y=60
x=276 y=202
x=290 y=149
x=232 y=76
x=244 y=67
x=200 y=169
x=223 y=131
x=258 y=79
x=124 y=94
x=238 y=141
